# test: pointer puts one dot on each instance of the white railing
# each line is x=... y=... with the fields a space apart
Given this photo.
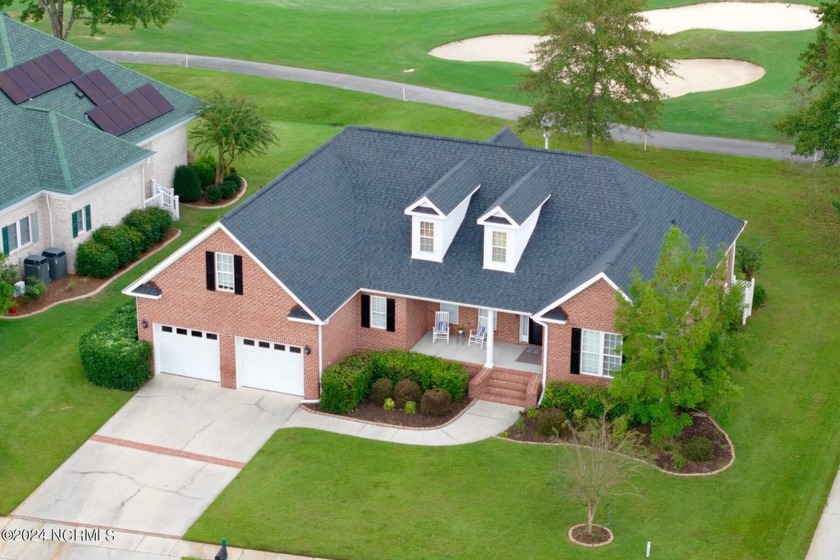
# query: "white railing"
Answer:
x=749 y=289
x=164 y=197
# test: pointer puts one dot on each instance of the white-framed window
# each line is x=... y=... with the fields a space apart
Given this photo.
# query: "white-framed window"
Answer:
x=482 y=312
x=427 y=237
x=599 y=353
x=378 y=312
x=224 y=272
x=20 y=233
x=499 y=247
x=453 y=311
x=81 y=221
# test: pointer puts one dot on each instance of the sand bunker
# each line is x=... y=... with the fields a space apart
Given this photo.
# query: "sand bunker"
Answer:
x=692 y=75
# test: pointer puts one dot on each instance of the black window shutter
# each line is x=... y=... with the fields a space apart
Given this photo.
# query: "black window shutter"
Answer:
x=576 y=338
x=237 y=274
x=390 y=324
x=366 y=311
x=210 y=259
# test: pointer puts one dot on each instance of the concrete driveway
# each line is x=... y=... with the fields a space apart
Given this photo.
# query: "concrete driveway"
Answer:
x=160 y=461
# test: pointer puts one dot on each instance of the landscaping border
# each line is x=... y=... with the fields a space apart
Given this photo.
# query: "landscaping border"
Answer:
x=242 y=191
x=100 y=288
x=660 y=469
x=593 y=545
x=360 y=421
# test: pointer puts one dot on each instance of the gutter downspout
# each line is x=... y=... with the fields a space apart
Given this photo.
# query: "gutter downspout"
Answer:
x=544 y=358
x=142 y=186
x=320 y=365
x=49 y=216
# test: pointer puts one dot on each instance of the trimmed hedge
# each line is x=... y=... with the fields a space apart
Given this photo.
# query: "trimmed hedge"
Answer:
x=187 y=184
x=118 y=241
x=345 y=384
x=161 y=221
x=95 y=259
x=111 y=354
x=589 y=399
x=153 y=224
x=427 y=371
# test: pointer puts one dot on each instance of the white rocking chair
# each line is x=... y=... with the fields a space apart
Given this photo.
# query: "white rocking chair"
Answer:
x=479 y=336
x=441 y=329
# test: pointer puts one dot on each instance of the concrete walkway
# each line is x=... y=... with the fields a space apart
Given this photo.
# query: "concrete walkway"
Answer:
x=463 y=102
x=826 y=542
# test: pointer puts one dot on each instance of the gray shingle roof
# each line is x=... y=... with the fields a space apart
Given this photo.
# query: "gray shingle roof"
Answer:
x=148 y=289
x=48 y=142
x=451 y=189
x=334 y=222
x=525 y=195
x=506 y=137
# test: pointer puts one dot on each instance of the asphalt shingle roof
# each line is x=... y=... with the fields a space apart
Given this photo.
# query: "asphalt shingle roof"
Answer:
x=525 y=195
x=451 y=189
x=334 y=222
x=506 y=137
x=48 y=142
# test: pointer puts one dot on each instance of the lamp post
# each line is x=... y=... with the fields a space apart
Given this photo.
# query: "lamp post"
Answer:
x=547 y=121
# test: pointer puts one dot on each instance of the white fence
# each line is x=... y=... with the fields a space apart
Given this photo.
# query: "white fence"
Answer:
x=164 y=197
x=749 y=289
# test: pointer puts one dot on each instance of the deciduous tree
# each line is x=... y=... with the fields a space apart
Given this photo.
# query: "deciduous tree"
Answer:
x=814 y=122
x=596 y=65
x=62 y=14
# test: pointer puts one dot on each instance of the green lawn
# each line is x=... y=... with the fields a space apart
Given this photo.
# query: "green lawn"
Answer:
x=381 y=39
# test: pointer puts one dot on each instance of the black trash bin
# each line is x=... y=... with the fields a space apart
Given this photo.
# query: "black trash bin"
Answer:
x=58 y=262
x=37 y=266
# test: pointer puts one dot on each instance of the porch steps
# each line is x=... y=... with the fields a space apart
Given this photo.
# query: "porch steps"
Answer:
x=506 y=387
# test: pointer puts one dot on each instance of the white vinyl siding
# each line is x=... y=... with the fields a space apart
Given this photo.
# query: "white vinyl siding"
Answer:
x=224 y=272
x=378 y=312
x=599 y=354
x=427 y=237
x=453 y=312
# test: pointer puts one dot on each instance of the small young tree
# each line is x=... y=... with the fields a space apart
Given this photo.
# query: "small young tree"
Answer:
x=8 y=276
x=601 y=465
x=232 y=127
x=680 y=338
x=748 y=259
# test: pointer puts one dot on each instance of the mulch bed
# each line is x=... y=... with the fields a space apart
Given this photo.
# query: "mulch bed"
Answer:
x=526 y=430
x=204 y=205
x=374 y=413
x=599 y=535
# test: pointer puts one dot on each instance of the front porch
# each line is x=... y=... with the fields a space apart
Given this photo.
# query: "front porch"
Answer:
x=505 y=355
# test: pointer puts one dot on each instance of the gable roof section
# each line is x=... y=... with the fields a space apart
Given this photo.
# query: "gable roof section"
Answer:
x=334 y=222
x=451 y=189
x=524 y=196
x=506 y=137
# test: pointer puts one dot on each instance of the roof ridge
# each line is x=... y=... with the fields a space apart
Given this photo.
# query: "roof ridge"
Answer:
x=4 y=40
x=59 y=146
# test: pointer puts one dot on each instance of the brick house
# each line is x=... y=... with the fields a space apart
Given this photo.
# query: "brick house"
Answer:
x=359 y=244
x=85 y=141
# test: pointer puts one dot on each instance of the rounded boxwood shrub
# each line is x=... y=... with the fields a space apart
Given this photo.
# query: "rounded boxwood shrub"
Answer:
x=111 y=354
x=137 y=241
x=213 y=194
x=142 y=222
x=551 y=422
x=229 y=189
x=186 y=183
x=118 y=241
x=95 y=259
x=383 y=388
x=426 y=371
x=235 y=177
x=698 y=449
x=406 y=390
x=205 y=170
x=436 y=402
x=161 y=222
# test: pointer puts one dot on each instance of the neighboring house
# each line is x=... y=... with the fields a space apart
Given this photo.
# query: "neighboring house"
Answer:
x=359 y=244
x=84 y=141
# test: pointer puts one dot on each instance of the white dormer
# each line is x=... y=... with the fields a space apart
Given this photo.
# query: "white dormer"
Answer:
x=437 y=215
x=511 y=220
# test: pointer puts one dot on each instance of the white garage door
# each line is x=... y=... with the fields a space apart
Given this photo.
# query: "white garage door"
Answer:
x=187 y=352
x=269 y=365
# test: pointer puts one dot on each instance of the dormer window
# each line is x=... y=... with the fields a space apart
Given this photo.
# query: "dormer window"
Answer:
x=427 y=237
x=499 y=249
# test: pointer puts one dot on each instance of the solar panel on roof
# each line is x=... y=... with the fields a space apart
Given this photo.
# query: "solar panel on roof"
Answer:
x=64 y=64
x=131 y=111
x=101 y=119
x=96 y=96
x=23 y=81
x=49 y=68
x=157 y=100
x=11 y=89
x=37 y=76
x=143 y=104
x=44 y=82
x=101 y=81
x=127 y=112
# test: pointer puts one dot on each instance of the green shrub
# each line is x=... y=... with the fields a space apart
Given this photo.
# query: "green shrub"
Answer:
x=213 y=194
x=205 y=170
x=118 y=241
x=345 y=384
x=587 y=399
x=383 y=388
x=95 y=259
x=389 y=405
x=229 y=189
x=235 y=177
x=410 y=407
x=161 y=222
x=426 y=371
x=187 y=184
x=136 y=239
x=698 y=449
x=406 y=390
x=111 y=354
x=759 y=296
x=436 y=402
x=35 y=288
x=551 y=422
x=9 y=273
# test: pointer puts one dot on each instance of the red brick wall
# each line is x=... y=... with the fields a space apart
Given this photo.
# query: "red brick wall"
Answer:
x=417 y=324
x=507 y=328
x=260 y=313
x=593 y=308
x=340 y=335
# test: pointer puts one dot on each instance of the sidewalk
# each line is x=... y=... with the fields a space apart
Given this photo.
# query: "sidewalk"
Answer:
x=826 y=542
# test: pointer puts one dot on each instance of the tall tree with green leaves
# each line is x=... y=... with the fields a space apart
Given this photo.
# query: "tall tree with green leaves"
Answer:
x=680 y=338
x=62 y=14
x=596 y=66
x=814 y=122
x=232 y=127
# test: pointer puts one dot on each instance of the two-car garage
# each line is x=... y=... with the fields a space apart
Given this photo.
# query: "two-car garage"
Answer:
x=259 y=364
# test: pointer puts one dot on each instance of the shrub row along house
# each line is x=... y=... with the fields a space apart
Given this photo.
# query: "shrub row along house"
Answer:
x=85 y=141
x=360 y=244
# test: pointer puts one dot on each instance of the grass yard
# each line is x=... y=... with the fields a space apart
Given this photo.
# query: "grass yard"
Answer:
x=381 y=39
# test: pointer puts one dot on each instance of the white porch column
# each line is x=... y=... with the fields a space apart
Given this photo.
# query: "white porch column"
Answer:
x=491 y=328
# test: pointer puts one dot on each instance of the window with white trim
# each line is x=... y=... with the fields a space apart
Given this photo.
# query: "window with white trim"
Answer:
x=453 y=311
x=81 y=221
x=499 y=247
x=427 y=237
x=600 y=353
x=482 y=312
x=224 y=272
x=378 y=312
x=19 y=234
